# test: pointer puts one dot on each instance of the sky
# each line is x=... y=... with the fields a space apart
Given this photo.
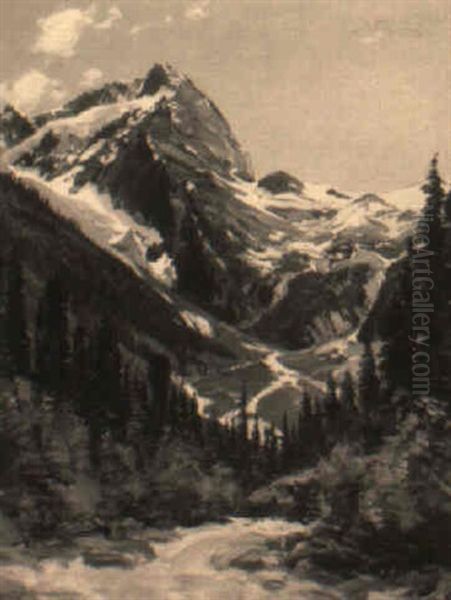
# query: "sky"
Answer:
x=353 y=93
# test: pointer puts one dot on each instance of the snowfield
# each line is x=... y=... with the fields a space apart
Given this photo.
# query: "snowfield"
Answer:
x=112 y=229
x=310 y=223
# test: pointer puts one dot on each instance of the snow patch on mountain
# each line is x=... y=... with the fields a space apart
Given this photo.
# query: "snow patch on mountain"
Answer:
x=249 y=193
x=86 y=124
x=325 y=195
x=163 y=270
x=112 y=229
x=197 y=322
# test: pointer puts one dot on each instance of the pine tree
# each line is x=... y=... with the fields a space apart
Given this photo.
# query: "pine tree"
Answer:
x=347 y=393
x=16 y=322
x=331 y=394
x=243 y=414
x=183 y=411
x=433 y=216
x=256 y=435
x=307 y=409
x=306 y=434
x=387 y=383
x=436 y=212
x=368 y=383
x=115 y=406
x=294 y=440
x=174 y=409
x=435 y=195
x=369 y=399
x=349 y=418
x=395 y=328
x=53 y=353
x=445 y=314
x=233 y=443
x=286 y=442
x=447 y=207
x=158 y=380
x=271 y=450
x=319 y=428
x=136 y=425
x=80 y=373
x=195 y=421
x=107 y=408
x=220 y=433
x=144 y=407
x=332 y=408
x=5 y=355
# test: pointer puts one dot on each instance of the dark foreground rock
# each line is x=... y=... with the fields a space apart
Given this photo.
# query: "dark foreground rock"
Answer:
x=125 y=554
x=102 y=559
x=250 y=560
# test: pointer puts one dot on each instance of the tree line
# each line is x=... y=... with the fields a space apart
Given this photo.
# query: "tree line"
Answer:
x=82 y=366
x=85 y=367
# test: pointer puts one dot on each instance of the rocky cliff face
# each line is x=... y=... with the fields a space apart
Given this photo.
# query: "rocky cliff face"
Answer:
x=14 y=127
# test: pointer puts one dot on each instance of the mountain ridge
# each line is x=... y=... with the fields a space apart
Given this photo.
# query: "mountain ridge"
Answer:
x=153 y=175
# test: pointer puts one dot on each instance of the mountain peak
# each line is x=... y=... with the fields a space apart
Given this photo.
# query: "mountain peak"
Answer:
x=14 y=125
x=158 y=76
x=280 y=182
x=7 y=110
x=6 y=107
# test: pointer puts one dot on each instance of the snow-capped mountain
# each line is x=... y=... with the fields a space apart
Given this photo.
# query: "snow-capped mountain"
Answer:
x=276 y=275
x=162 y=153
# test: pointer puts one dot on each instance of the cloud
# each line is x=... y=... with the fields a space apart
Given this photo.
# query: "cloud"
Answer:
x=114 y=14
x=198 y=10
x=27 y=91
x=91 y=77
x=138 y=28
x=60 y=32
x=372 y=39
x=372 y=34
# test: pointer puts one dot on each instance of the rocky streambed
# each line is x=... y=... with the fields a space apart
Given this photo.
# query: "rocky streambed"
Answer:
x=248 y=559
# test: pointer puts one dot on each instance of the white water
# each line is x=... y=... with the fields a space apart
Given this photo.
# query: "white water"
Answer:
x=195 y=565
